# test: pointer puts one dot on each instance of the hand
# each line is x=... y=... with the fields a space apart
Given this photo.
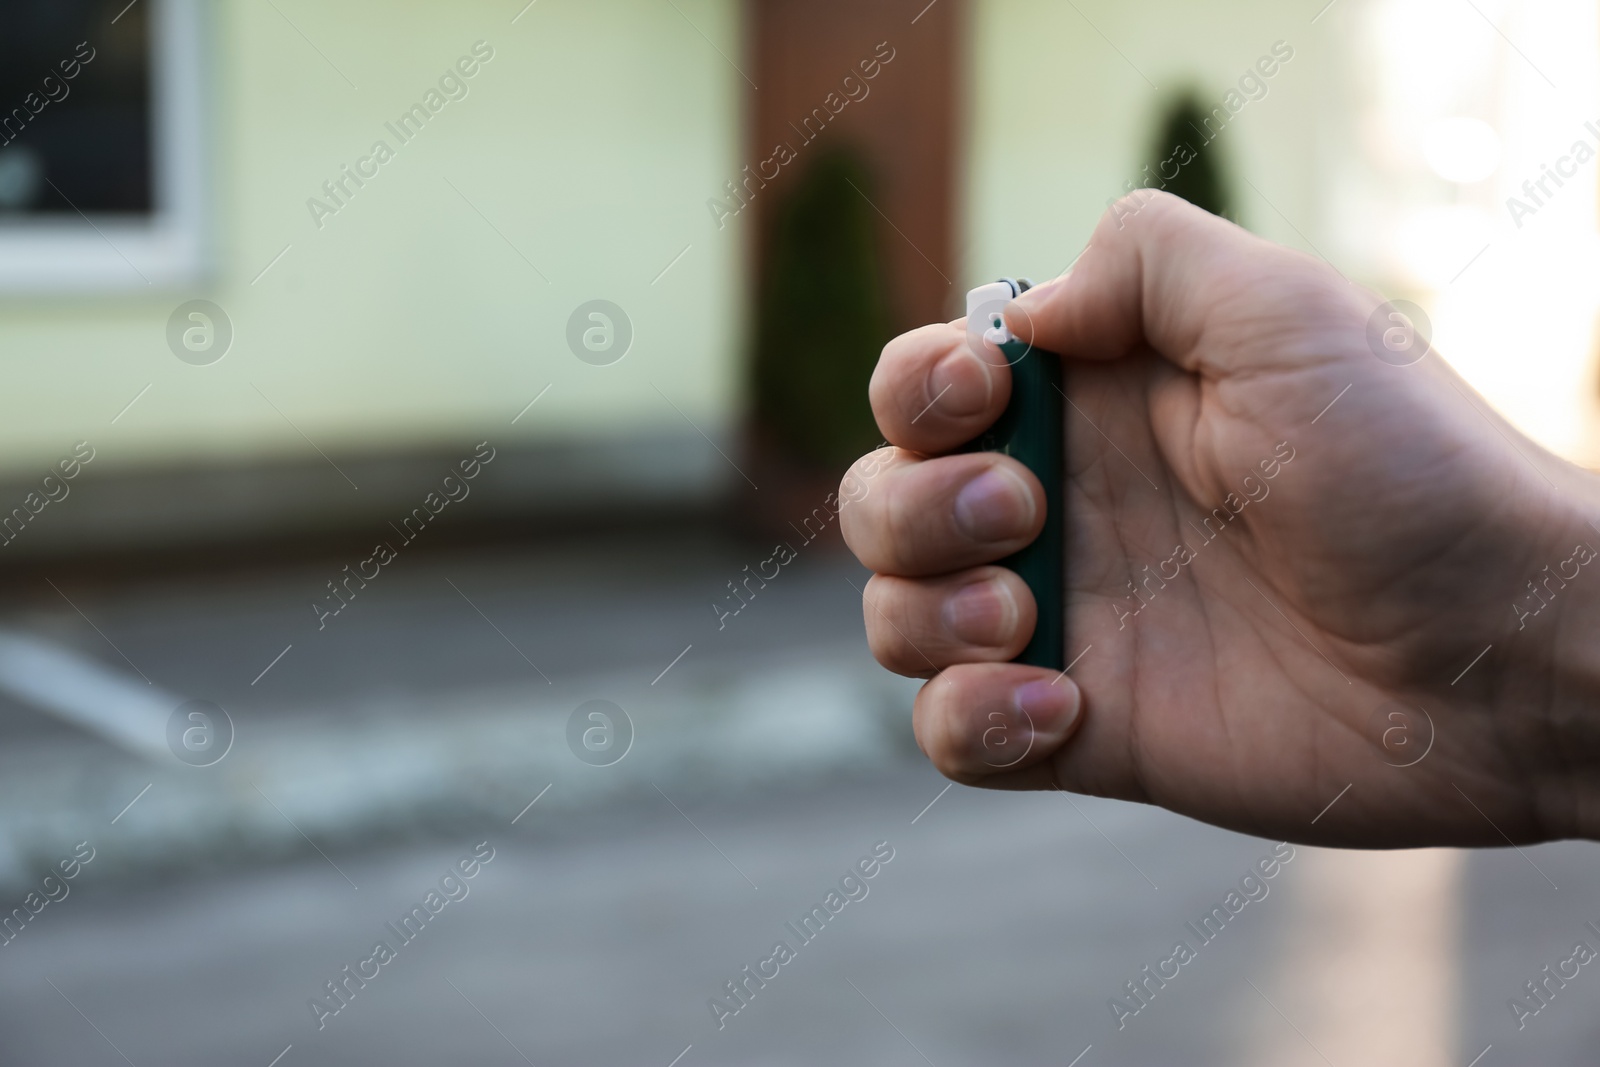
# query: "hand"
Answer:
x=1283 y=552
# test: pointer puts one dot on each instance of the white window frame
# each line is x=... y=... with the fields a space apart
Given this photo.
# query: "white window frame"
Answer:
x=113 y=253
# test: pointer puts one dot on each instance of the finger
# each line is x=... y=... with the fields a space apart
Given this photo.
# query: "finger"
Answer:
x=997 y=725
x=917 y=517
x=932 y=393
x=1156 y=269
x=918 y=627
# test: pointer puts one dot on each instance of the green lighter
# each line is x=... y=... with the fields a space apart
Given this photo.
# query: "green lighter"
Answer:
x=1030 y=430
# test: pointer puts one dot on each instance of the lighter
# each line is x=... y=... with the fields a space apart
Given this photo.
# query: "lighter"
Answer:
x=1029 y=431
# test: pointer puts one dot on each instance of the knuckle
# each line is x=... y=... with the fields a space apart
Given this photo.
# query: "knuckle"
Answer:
x=897 y=356
x=898 y=384
x=947 y=747
x=879 y=633
x=901 y=520
x=851 y=480
x=863 y=493
x=884 y=603
x=949 y=729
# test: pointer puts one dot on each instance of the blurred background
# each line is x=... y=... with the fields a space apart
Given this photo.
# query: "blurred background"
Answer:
x=570 y=307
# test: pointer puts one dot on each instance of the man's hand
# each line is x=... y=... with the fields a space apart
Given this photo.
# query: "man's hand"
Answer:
x=1285 y=557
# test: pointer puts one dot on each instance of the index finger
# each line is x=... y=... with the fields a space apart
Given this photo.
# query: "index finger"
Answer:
x=932 y=393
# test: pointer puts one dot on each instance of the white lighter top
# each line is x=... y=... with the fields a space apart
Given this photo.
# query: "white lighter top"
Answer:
x=984 y=305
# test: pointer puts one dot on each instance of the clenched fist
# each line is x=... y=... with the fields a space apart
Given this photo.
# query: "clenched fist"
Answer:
x=1296 y=572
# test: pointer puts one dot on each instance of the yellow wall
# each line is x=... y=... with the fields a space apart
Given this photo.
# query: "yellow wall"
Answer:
x=592 y=140
x=1330 y=161
x=1059 y=119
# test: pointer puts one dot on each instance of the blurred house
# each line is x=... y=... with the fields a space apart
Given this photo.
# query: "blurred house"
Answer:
x=383 y=309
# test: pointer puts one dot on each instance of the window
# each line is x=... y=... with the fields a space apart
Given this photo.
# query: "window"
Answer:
x=100 y=145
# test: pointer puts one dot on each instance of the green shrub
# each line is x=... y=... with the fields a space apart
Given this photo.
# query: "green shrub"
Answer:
x=1203 y=181
x=822 y=316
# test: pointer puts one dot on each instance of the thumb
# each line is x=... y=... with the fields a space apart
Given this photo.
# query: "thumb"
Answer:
x=1156 y=272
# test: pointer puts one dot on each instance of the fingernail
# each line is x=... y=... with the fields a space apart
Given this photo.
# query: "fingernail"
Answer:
x=959 y=385
x=981 y=614
x=1051 y=708
x=994 y=506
